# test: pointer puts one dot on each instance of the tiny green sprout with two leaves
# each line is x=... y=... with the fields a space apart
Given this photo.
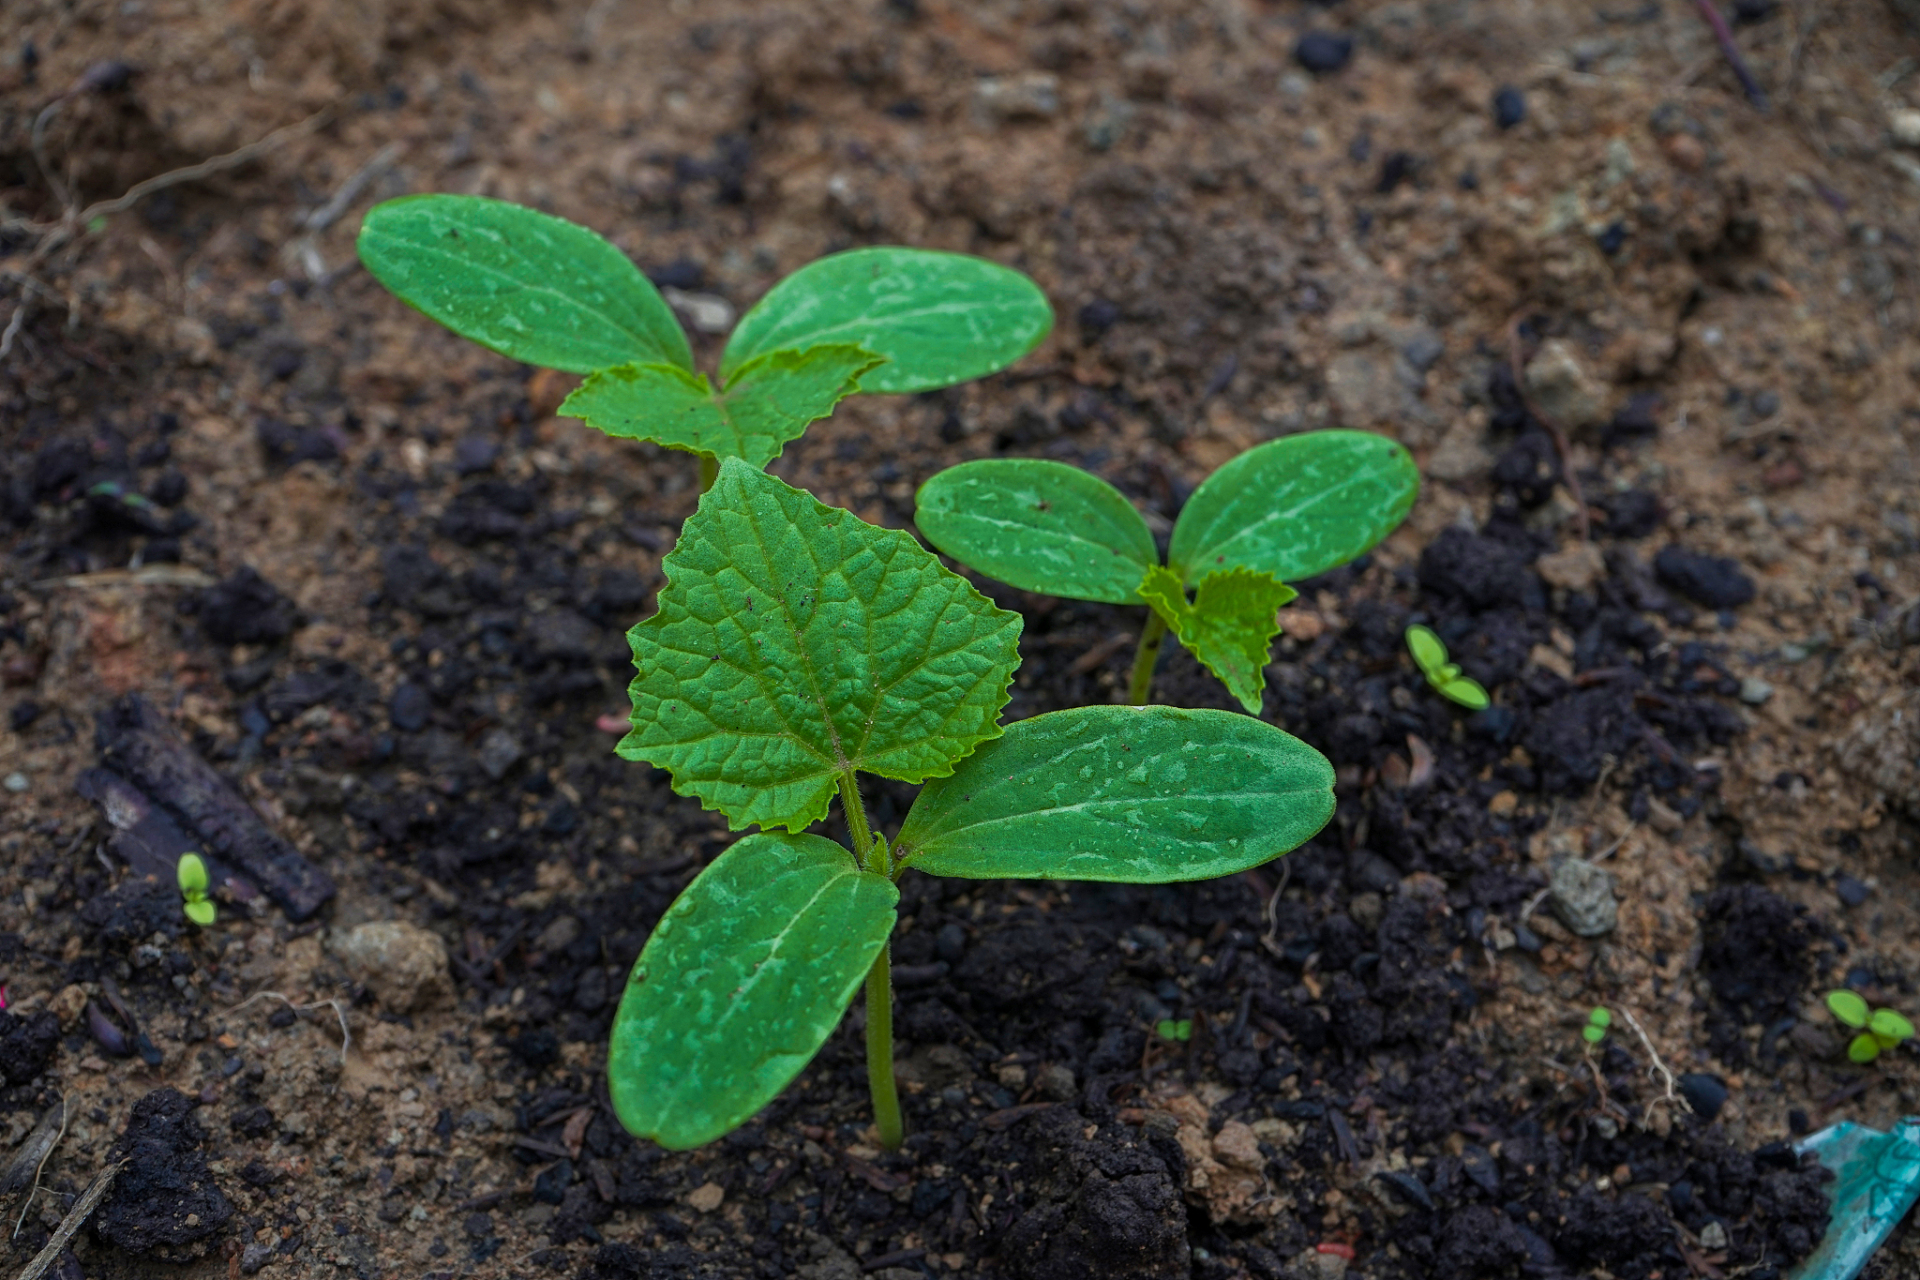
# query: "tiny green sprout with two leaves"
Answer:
x=1169 y=1029
x=1285 y=510
x=546 y=291
x=192 y=874
x=1599 y=1021
x=1430 y=655
x=1880 y=1029
x=796 y=647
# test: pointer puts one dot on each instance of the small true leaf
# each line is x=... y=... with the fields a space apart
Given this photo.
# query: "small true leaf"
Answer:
x=1864 y=1048
x=1468 y=693
x=1848 y=1007
x=191 y=871
x=201 y=912
x=938 y=318
x=767 y=403
x=1040 y=526
x=1295 y=507
x=1890 y=1026
x=740 y=984
x=524 y=283
x=1428 y=649
x=1229 y=625
x=1140 y=795
x=795 y=641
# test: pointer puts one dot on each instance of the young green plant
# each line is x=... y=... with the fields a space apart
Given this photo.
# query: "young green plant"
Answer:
x=1879 y=1029
x=191 y=871
x=545 y=291
x=1599 y=1022
x=1284 y=510
x=1430 y=655
x=795 y=648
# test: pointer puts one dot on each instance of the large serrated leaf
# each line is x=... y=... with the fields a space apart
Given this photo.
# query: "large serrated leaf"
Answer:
x=1041 y=526
x=794 y=642
x=1229 y=625
x=769 y=401
x=1295 y=507
x=740 y=984
x=1143 y=795
x=524 y=283
x=938 y=318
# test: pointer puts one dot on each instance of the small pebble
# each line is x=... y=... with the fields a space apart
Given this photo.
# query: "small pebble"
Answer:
x=1582 y=897
x=16 y=783
x=1323 y=53
x=1509 y=107
x=1754 y=691
x=1851 y=891
x=1905 y=126
x=1704 y=1093
x=1713 y=1237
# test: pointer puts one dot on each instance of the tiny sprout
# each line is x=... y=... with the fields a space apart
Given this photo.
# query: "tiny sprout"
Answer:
x=1597 y=1023
x=1168 y=1029
x=1880 y=1029
x=192 y=873
x=1430 y=655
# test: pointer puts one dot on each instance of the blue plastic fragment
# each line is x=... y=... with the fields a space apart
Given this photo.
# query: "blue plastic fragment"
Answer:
x=1877 y=1179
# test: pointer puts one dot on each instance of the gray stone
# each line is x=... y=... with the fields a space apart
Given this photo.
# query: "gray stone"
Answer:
x=1754 y=691
x=1056 y=1082
x=1560 y=387
x=255 y=1256
x=1013 y=99
x=404 y=965
x=1582 y=896
x=499 y=752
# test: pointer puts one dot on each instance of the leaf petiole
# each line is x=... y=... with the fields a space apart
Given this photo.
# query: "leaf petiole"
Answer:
x=1145 y=655
x=876 y=859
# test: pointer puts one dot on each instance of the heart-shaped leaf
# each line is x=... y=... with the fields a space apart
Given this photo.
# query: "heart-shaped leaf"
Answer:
x=1040 y=526
x=1229 y=626
x=796 y=642
x=1143 y=795
x=938 y=318
x=524 y=283
x=1295 y=507
x=1849 y=1007
x=769 y=401
x=1890 y=1027
x=740 y=984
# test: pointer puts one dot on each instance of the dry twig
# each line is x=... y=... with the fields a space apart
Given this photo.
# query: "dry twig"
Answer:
x=76 y=1218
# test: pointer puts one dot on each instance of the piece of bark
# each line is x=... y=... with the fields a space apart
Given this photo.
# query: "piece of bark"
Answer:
x=136 y=744
x=149 y=839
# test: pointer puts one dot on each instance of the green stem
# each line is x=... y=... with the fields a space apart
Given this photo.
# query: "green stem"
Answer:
x=1144 y=657
x=709 y=471
x=874 y=858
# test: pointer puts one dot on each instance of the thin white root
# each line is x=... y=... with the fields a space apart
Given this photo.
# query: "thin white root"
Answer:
x=1657 y=1070
x=346 y=1036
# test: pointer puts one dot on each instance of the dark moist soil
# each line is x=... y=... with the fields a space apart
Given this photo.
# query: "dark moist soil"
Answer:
x=254 y=507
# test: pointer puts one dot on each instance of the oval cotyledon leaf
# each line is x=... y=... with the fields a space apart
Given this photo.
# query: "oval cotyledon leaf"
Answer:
x=795 y=642
x=740 y=983
x=1141 y=795
x=1040 y=526
x=938 y=318
x=1295 y=507
x=524 y=283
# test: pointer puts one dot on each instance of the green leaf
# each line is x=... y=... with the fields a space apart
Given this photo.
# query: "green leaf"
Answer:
x=1295 y=507
x=191 y=871
x=1468 y=693
x=1890 y=1026
x=1229 y=626
x=769 y=402
x=1864 y=1048
x=938 y=318
x=1139 y=795
x=1593 y=1034
x=201 y=912
x=1601 y=1017
x=794 y=642
x=740 y=984
x=1167 y=1029
x=524 y=283
x=1428 y=649
x=1040 y=526
x=1848 y=1007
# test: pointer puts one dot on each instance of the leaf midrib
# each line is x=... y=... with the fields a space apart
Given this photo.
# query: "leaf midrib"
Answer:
x=1104 y=802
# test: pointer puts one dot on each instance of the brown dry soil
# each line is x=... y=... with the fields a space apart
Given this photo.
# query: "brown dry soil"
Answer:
x=1385 y=1077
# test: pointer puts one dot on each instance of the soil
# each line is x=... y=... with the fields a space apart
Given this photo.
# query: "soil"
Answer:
x=369 y=594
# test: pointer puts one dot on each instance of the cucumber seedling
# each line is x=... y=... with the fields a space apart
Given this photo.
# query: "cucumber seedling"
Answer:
x=796 y=647
x=546 y=291
x=191 y=872
x=1880 y=1029
x=1282 y=511
x=1430 y=655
